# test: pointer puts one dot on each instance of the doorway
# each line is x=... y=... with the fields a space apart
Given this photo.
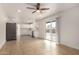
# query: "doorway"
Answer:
x=10 y=31
x=51 y=33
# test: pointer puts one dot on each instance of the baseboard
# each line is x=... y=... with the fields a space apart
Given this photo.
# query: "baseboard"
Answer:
x=70 y=46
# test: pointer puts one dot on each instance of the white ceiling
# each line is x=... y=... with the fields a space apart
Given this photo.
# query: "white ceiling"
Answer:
x=26 y=14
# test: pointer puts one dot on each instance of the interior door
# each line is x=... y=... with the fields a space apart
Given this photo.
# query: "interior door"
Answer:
x=10 y=31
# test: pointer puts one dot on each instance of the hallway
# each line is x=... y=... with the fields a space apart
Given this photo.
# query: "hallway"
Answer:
x=30 y=46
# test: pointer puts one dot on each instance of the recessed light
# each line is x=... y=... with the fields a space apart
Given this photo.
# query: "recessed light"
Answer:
x=19 y=11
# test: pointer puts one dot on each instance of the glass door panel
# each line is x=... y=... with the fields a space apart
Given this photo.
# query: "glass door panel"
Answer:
x=51 y=31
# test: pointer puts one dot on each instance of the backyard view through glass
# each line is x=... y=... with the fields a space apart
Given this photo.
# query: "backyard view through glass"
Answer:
x=51 y=31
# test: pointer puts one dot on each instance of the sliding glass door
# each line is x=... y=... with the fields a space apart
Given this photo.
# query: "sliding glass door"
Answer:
x=51 y=31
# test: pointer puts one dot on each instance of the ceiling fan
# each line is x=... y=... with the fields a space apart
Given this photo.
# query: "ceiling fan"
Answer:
x=37 y=8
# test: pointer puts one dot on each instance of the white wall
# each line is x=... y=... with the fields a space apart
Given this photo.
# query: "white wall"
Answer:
x=18 y=32
x=69 y=28
x=41 y=29
x=2 y=27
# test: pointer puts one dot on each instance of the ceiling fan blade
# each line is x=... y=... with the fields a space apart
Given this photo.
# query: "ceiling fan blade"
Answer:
x=30 y=8
x=33 y=11
x=44 y=9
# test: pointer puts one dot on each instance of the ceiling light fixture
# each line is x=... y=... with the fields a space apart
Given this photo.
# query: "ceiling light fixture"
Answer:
x=38 y=11
x=37 y=8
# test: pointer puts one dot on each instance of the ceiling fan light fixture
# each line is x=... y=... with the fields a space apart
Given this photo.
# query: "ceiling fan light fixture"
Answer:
x=37 y=8
x=38 y=11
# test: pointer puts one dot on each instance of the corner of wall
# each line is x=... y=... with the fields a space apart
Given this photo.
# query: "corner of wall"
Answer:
x=2 y=44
